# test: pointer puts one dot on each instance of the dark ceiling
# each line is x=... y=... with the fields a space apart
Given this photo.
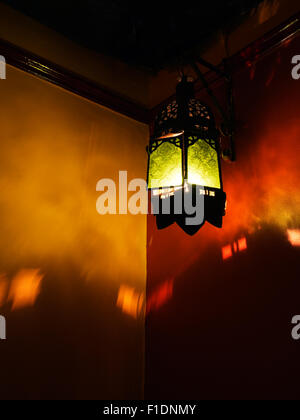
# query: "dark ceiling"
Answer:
x=148 y=34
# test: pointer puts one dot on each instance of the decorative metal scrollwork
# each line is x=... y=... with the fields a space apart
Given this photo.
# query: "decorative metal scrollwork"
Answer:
x=177 y=141
x=169 y=112
x=168 y=120
x=210 y=141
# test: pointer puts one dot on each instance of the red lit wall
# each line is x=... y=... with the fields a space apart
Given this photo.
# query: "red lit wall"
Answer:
x=226 y=330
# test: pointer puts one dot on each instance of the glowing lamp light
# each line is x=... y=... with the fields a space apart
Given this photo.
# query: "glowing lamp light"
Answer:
x=184 y=153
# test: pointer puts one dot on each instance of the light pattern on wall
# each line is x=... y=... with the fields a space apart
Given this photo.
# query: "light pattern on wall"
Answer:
x=25 y=288
x=294 y=236
x=130 y=301
x=238 y=246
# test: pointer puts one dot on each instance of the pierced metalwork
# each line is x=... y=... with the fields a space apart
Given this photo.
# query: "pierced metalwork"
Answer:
x=168 y=112
x=169 y=120
x=199 y=110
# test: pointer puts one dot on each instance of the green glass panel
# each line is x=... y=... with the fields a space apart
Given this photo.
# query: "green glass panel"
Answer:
x=165 y=166
x=203 y=166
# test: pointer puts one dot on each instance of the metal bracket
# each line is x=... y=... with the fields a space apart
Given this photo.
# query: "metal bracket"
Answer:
x=227 y=128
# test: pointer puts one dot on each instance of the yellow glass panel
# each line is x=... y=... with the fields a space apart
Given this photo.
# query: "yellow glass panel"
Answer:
x=203 y=166
x=165 y=166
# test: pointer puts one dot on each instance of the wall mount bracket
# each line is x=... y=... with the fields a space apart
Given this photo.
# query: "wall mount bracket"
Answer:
x=227 y=126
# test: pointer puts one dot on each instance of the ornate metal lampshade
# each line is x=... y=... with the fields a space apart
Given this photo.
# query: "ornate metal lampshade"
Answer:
x=184 y=151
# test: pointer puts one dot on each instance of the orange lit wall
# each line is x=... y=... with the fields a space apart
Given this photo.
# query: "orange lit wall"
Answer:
x=226 y=331
x=61 y=263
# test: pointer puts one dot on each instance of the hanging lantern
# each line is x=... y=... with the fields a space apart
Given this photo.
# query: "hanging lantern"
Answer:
x=184 y=156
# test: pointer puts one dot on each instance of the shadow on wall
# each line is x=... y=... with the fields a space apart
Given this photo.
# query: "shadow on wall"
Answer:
x=230 y=334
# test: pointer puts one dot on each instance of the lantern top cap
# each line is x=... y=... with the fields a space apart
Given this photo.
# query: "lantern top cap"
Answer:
x=185 y=88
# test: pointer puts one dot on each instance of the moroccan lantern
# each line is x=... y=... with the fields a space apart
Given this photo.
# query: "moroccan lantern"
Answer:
x=184 y=157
